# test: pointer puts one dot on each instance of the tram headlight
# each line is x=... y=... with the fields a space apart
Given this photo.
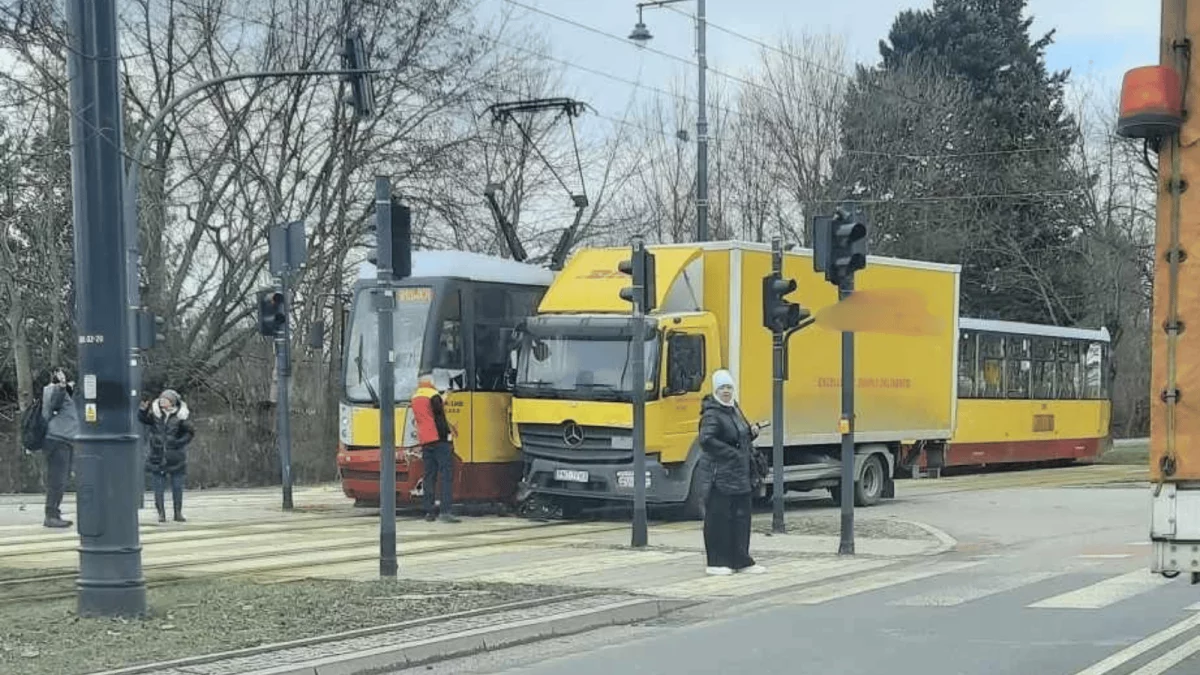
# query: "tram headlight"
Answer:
x=344 y=434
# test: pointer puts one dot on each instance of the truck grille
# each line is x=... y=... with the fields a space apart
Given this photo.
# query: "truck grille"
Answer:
x=550 y=441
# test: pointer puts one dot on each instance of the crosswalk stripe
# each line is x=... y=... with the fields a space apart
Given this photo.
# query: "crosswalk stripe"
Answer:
x=589 y=563
x=1171 y=659
x=791 y=573
x=957 y=595
x=1137 y=649
x=1104 y=593
x=873 y=582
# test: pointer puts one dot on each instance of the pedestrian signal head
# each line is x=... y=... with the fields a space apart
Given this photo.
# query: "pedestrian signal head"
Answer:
x=272 y=313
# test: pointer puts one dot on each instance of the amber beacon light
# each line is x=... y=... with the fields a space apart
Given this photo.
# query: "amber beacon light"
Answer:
x=1151 y=103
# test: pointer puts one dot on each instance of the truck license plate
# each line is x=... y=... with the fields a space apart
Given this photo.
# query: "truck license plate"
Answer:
x=571 y=475
x=625 y=479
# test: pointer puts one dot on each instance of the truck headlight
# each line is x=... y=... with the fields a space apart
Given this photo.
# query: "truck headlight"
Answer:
x=344 y=434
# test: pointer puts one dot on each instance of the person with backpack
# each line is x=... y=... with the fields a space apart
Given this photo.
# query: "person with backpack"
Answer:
x=58 y=445
x=170 y=433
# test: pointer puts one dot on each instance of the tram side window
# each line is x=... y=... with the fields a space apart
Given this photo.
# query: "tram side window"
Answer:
x=1093 y=364
x=991 y=366
x=1043 y=368
x=967 y=358
x=498 y=309
x=1068 y=378
x=1018 y=365
x=450 y=341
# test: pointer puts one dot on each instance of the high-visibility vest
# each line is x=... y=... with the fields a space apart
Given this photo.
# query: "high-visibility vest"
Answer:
x=422 y=407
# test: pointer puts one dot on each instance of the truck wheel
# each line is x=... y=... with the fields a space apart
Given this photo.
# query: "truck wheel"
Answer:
x=868 y=489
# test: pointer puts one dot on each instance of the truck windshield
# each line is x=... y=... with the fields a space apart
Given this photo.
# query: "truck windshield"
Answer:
x=362 y=363
x=576 y=368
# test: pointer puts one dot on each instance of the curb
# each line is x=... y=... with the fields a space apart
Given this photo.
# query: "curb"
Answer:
x=333 y=637
x=946 y=543
x=465 y=643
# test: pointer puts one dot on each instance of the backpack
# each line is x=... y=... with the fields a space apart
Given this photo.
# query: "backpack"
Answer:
x=33 y=426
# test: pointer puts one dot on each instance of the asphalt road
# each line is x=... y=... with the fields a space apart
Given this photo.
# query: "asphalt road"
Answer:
x=1044 y=581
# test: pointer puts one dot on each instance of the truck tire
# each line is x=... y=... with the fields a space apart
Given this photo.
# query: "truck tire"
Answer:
x=868 y=489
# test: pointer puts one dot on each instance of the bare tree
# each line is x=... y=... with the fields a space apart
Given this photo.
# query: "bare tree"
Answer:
x=793 y=113
x=1118 y=218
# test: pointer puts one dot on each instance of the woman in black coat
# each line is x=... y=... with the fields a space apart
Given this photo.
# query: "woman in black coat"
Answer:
x=726 y=438
x=170 y=434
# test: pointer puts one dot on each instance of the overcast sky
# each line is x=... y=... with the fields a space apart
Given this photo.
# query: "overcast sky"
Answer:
x=1097 y=39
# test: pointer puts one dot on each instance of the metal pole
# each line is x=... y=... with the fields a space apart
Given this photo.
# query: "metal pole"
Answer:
x=283 y=379
x=637 y=346
x=846 y=545
x=701 y=126
x=385 y=299
x=110 y=579
x=777 y=463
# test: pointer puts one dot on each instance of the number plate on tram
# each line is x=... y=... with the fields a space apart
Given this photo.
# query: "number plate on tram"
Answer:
x=571 y=475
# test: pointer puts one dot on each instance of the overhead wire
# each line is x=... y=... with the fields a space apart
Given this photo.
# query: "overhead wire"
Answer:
x=663 y=92
x=760 y=86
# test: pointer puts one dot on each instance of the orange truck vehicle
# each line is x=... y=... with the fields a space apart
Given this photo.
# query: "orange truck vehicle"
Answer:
x=1152 y=110
x=453 y=316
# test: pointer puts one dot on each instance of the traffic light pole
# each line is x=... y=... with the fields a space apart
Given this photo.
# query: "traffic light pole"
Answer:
x=779 y=364
x=110 y=582
x=637 y=346
x=846 y=544
x=777 y=464
x=283 y=379
x=384 y=305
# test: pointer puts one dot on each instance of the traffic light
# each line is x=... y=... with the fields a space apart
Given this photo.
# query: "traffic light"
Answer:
x=839 y=246
x=779 y=314
x=394 y=242
x=640 y=267
x=362 y=90
x=149 y=329
x=272 y=313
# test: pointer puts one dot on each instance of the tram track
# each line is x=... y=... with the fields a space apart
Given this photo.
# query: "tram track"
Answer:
x=52 y=543
x=355 y=551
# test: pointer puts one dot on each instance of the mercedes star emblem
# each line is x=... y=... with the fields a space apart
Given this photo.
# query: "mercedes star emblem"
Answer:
x=573 y=434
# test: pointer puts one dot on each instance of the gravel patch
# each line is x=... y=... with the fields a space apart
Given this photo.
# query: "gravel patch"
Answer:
x=830 y=525
x=196 y=617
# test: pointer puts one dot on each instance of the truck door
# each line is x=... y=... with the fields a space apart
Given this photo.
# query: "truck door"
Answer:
x=685 y=370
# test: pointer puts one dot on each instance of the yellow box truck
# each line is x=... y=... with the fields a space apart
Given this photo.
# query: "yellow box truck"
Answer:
x=571 y=408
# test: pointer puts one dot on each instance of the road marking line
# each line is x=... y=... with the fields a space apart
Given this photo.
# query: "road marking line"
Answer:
x=1104 y=593
x=1138 y=543
x=1171 y=659
x=872 y=582
x=957 y=595
x=586 y=563
x=779 y=575
x=1137 y=649
x=1104 y=556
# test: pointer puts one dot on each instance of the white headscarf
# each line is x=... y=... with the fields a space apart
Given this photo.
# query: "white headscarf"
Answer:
x=723 y=378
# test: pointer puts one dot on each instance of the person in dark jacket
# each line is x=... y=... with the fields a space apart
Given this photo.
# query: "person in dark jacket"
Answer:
x=726 y=438
x=62 y=425
x=170 y=434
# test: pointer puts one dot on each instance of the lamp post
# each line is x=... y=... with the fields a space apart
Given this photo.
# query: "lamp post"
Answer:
x=641 y=35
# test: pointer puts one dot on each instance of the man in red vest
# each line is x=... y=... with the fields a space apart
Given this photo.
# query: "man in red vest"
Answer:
x=433 y=436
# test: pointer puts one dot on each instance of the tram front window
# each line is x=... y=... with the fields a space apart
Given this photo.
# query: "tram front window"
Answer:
x=410 y=319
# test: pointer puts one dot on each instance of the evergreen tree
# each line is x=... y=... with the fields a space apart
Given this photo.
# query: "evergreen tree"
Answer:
x=959 y=144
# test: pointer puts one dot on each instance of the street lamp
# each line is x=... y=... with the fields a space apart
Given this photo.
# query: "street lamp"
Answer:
x=641 y=35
